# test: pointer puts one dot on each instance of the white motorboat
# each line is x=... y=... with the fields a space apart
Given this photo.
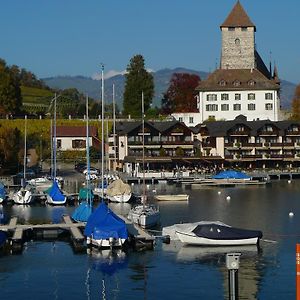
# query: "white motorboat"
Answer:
x=25 y=195
x=171 y=197
x=212 y=234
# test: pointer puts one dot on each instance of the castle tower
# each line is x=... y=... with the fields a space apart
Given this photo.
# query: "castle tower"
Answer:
x=238 y=40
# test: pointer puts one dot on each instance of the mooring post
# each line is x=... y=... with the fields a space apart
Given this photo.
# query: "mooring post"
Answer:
x=298 y=271
x=232 y=264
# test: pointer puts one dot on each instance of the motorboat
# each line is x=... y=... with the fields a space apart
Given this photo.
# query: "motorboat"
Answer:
x=25 y=195
x=118 y=191
x=54 y=196
x=212 y=234
x=145 y=215
x=172 y=197
x=104 y=229
x=40 y=182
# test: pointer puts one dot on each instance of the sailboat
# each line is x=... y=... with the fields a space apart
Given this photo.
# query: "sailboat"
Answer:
x=145 y=215
x=86 y=195
x=25 y=194
x=104 y=229
x=54 y=196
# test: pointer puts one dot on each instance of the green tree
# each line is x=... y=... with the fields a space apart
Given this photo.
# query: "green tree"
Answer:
x=10 y=92
x=296 y=104
x=137 y=80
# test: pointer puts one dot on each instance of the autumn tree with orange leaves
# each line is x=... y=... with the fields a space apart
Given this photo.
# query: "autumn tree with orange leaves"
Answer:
x=296 y=104
x=181 y=94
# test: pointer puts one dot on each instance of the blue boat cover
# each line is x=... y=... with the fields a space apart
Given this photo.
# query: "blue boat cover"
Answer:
x=82 y=212
x=219 y=232
x=232 y=174
x=2 y=191
x=55 y=193
x=104 y=223
x=3 y=238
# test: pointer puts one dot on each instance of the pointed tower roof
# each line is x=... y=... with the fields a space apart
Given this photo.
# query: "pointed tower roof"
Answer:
x=275 y=75
x=238 y=18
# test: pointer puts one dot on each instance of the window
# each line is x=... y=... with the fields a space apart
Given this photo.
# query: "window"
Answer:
x=211 y=97
x=58 y=143
x=191 y=119
x=237 y=96
x=244 y=28
x=269 y=106
x=251 y=96
x=251 y=106
x=236 y=83
x=231 y=28
x=268 y=96
x=237 y=42
x=237 y=106
x=251 y=82
x=212 y=107
x=224 y=97
x=222 y=83
x=77 y=144
x=180 y=119
x=224 y=107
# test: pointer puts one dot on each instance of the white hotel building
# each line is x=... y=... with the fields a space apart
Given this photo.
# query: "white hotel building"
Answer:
x=243 y=85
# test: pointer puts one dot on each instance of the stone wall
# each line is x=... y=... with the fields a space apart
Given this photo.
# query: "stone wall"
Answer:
x=238 y=48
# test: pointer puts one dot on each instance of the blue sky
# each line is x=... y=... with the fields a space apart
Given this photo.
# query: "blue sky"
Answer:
x=72 y=37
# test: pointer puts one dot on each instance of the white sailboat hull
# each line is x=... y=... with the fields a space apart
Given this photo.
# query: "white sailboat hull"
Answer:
x=145 y=216
x=50 y=201
x=192 y=239
x=105 y=243
x=119 y=198
x=23 y=196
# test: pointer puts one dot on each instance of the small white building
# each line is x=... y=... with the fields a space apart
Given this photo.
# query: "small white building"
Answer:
x=74 y=137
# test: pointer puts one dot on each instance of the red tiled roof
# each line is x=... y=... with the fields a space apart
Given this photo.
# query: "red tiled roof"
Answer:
x=238 y=18
x=75 y=131
x=237 y=79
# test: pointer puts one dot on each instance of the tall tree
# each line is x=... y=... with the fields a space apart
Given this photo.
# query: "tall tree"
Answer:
x=296 y=104
x=137 y=80
x=10 y=92
x=180 y=96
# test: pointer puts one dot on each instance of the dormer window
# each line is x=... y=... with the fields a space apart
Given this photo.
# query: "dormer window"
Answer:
x=222 y=82
x=251 y=82
x=236 y=83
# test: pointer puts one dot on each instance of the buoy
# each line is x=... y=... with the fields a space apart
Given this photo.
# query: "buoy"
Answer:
x=289 y=181
x=228 y=198
x=132 y=183
x=219 y=192
x=148 y=186
x=154 y=191
x=291 y=214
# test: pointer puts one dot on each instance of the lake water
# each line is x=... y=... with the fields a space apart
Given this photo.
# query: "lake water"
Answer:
x=51 y=270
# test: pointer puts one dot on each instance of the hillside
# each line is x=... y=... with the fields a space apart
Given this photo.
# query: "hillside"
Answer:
x=35 y=95
x=161 y=80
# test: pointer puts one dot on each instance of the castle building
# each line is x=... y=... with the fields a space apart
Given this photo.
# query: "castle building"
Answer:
x=243 y=85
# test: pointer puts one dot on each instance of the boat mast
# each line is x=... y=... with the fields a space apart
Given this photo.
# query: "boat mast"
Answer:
x=54 y=140
x=89 y=201
x=25 y=151
x=102 y=131
x=114 y=127
x=143 y=128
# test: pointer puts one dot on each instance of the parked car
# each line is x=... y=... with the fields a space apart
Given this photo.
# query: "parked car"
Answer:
x=93 y=171
x=80 y=167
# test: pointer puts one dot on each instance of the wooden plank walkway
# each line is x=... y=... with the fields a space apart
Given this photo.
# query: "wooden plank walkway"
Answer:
x=75 y=232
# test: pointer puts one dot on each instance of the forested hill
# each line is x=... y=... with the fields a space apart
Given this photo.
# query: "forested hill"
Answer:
x=161 y=80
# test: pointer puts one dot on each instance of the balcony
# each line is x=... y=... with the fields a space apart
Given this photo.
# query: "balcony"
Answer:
x=252 y=156
x=268 y=133
x=292 y=133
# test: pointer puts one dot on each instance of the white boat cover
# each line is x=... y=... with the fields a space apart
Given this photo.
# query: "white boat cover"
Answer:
x=185 y=227
x=118 y=187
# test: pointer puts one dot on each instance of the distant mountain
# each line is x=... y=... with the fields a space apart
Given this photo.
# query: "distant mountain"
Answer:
x=161 y=80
